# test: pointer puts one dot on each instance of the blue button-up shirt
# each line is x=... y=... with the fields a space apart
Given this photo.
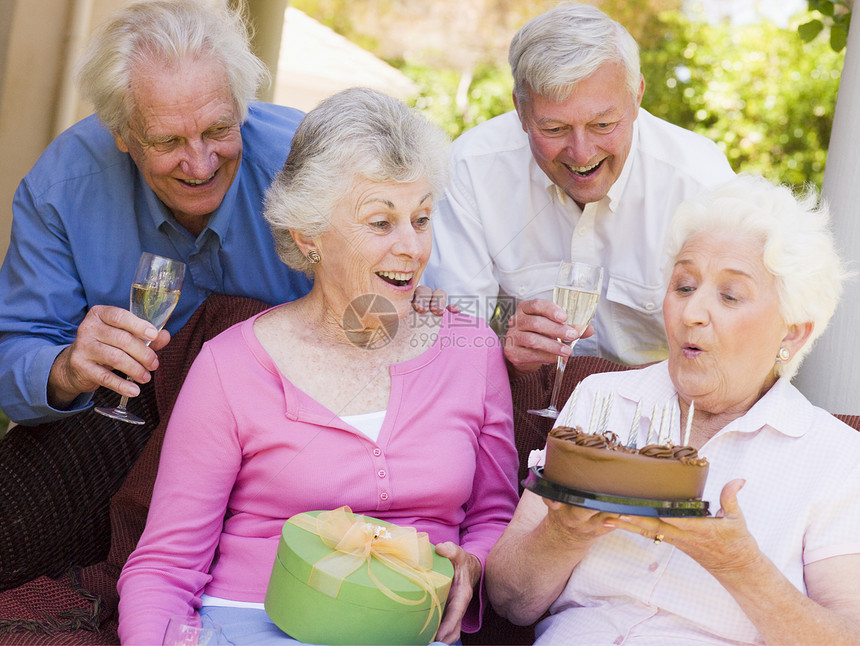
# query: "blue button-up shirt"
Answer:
x=82 y=217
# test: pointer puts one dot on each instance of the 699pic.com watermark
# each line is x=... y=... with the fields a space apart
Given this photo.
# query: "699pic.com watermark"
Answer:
x=454 y=340
x=371 y=322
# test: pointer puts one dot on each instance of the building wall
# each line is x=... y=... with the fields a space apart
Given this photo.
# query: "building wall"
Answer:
x=32 y=41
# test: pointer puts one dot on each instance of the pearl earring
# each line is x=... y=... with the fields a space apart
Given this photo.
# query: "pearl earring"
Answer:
x=784 y=355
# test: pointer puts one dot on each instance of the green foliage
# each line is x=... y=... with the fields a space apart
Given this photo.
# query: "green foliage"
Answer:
x=833 y=14
x=4 y=423
x=488 y=95
x=757 y=90
x=769 y=109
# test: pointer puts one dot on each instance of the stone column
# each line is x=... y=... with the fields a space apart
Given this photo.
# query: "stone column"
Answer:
x=267 y=18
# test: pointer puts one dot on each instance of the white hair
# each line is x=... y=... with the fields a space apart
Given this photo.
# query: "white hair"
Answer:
x=165 y=33
x=558 y=49
x=797 y=246
x=354 y=134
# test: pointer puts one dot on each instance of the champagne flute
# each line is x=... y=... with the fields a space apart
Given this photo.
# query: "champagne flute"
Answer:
x=154 y=294
x=190 y=631
x=577 y=288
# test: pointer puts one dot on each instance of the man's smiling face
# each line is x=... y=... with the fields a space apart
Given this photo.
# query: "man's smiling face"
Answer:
x=184 y=137
x=582 y=142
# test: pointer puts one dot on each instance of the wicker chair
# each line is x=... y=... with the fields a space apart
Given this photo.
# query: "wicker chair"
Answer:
x=74 y=496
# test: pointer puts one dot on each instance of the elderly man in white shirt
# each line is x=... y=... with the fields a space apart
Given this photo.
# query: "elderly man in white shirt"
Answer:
x=578 y=172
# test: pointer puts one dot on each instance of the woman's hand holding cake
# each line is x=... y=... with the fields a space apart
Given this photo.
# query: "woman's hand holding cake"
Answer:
x=722 y=545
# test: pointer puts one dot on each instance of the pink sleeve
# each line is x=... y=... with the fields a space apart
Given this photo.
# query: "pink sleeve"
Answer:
x=168 y=570
x=494 y=492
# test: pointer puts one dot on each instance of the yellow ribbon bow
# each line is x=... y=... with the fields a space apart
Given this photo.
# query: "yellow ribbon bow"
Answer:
x=355 y=540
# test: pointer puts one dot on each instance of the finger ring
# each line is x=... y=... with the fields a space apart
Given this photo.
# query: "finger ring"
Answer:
x=658 y=539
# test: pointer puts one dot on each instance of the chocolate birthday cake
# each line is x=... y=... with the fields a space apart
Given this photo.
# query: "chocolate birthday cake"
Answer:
x=599 y=463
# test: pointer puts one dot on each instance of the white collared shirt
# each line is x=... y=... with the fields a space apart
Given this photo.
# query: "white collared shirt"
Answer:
x=801 y=502
x=503 y=227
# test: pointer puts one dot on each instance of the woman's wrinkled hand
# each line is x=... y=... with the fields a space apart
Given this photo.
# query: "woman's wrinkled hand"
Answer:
x=722 y=545
x=576 y=525
x=467 y=573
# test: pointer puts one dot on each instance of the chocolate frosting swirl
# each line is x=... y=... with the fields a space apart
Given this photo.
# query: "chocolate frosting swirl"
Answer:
x=658 y=451
x=609 y=441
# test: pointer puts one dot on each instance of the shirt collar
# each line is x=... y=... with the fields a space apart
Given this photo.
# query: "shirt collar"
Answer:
x=219 y=221
x=782 y=408
x=613 y=196
x=617 y=188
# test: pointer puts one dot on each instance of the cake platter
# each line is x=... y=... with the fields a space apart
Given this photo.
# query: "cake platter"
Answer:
x=536 y=483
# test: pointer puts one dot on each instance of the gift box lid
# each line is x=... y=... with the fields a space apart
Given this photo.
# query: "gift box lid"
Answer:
x=299 y=550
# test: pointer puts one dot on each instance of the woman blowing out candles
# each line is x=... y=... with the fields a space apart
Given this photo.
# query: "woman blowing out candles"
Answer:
x=754 y=280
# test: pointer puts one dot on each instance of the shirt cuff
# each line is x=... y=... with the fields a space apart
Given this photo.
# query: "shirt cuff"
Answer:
x=37 y=388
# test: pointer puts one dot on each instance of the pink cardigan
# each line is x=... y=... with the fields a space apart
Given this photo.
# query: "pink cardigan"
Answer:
x=245 y=450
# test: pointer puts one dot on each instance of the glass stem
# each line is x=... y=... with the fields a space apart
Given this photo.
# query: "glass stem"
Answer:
x=556 y=386
x=123 y=401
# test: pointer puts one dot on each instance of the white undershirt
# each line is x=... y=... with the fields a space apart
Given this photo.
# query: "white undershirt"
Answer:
x=207 y=600
x=368 y=423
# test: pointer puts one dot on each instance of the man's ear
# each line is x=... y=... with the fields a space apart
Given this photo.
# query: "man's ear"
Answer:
x=120 y=142
x=641 y=90
x=520 y=108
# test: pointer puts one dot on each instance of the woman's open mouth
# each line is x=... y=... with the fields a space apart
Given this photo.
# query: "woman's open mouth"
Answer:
x=396 y=278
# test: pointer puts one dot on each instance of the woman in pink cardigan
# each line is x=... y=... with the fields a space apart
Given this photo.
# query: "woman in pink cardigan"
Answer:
x=343 y=397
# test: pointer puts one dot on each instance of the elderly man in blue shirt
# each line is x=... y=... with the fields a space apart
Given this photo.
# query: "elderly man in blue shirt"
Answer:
x=175 y=162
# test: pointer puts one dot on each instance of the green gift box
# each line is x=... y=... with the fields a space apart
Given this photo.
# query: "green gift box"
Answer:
x=340 y=578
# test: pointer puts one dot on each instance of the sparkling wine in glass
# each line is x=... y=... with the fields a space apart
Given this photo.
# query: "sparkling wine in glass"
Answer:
x=190 y=631
x=577 y=289
x=154 y=294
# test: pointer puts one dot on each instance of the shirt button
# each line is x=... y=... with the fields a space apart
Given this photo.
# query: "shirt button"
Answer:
x=381 y=473
x=653 y=567
x=383 y=495
x=521 y=291
x=581 y=232
x=377 y=452
x=650 y=306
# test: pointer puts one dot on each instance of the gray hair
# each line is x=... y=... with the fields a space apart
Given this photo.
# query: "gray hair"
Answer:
x=165 y=32
x=556 y=50
x=354 y=134
x=798 y=247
